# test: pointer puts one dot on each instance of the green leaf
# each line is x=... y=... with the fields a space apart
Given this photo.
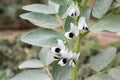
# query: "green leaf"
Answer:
x=118 y=1
x=115 y=73
x=101 y=7
x=100 y=76
x=46 y=56
x=119 y=56
x=42 y=37
x=103 y=59
x=67 y=23
x=32 y=63
x=61 y=2
x=62 y=11
x=41 y=20
x=31 y=75
x=61 y=73
x=51 y=8
x=86 y=13
x=110 y=22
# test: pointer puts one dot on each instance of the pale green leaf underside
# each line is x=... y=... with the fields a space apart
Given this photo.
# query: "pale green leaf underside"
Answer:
x=62 y=11
x=31 y=75
x=46 y=56
x=101 y=7
x=100 y=76
x=41 y=20
x=51 y=8
x=115 y=73
x=119 y=56
x=110 y=22
x=103 y=59
x=32 y=63
x=42 y=37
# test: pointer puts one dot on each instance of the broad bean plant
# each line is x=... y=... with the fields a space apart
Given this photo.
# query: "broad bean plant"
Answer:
x=63 y=24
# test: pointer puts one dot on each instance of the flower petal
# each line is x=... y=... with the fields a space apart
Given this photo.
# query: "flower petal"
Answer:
x=61 y=44
x=62 y=62
x=71 y=63
x=67 y=35
x=81 y=23
x=74 y=29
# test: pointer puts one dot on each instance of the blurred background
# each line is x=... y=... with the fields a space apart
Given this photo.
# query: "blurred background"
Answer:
x=13 y=51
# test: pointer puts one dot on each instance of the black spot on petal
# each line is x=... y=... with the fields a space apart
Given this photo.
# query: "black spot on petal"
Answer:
x=71 y=35
x=64 y=60
x=57 y=50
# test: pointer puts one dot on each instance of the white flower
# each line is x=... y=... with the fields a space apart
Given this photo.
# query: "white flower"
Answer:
x=73 y=10
x=62 y=62
x=60 y=47
x=74 y=32
x=82 y=25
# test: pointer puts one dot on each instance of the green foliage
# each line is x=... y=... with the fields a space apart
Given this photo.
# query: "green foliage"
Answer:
x=32 y=63
x=67 y=23
x=100 y=76
x=51 y=8
x=103 y=59
x=87 y=13
x=108 y=23
x=115 y=73
x=61 y=2
x=41 y=20
x=46 y=56
x=101 y=7
x=42 y=37
x=61 y=73
x=31 y=75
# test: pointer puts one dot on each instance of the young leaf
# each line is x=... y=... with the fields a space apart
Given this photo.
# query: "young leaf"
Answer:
x=32 y=63
x=46 y=56
x=42 y=37
x=115 y=73
x=110 y=22
x=41 y=20
x=67 y=23
x=87 y=13
x=51 y=8
x=103 y=59
x=31 y=75
x=100 y=76
x=61 y=73
x=101 y=7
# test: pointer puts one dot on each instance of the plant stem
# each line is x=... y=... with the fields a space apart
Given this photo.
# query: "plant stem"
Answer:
x=77 y=50
x=50 y=75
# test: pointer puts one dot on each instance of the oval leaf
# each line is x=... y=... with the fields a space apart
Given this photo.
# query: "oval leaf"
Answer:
x=51 y=8
x=109 y=23
x=46 y=56
x=42 y=37
x=31 y=75
x=115 y=73
x=103 y=59
x=41 y=20
x=101 y=7
x=32 y=63
x=100 y=76
x=118 y=1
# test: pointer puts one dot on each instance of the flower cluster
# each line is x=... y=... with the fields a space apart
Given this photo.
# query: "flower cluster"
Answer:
x=64 y=55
